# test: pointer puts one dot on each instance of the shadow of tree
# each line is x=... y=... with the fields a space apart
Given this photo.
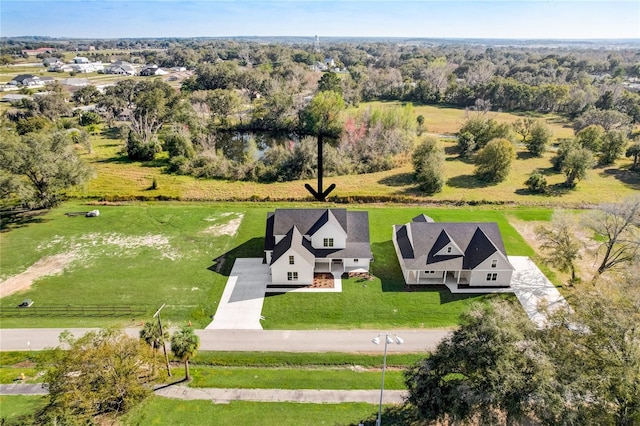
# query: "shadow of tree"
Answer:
x=630 y=178
x=118 y=159
x=14 y=219
x=451 y=150
x=400 y=179
x=112 y=133
x=224 y=263
x=467 y=181
x=397 y=415
x=525 y=155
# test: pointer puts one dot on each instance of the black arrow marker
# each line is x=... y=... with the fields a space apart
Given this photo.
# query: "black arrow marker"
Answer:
x=320 y=195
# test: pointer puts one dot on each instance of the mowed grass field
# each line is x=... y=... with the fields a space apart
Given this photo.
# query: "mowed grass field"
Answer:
x=178 y=253
x=119 y=178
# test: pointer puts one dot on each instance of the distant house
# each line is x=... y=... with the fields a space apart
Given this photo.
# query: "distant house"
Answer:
x=178 y=69
x=301 y=242
x=120 y=68
x=464 y=254
x=81 y=60
x=34 y=52
x=30 y=80
x=52 y=62
x=151 y=70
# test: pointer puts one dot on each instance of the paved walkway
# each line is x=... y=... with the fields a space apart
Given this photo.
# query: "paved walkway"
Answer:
x=241 y=303
x=23 y=389
x=534 y=290
x=415 y=340
x=223 y=396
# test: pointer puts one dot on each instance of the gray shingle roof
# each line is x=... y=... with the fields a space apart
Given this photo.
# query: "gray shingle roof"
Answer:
x=419 y=243
x=293 y=239
x=308 y=221
x=305 y=219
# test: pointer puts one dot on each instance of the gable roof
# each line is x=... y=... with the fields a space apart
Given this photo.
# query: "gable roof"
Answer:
x=419 y=241
x=422 y=218
x=292 y=240
x=21 y=77
x=305 y=219
x=327 y=217
x=308 y=221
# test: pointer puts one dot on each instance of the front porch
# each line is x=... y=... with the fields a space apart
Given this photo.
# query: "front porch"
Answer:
x=437 y=278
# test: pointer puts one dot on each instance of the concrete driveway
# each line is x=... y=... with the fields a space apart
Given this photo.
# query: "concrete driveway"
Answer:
x=240 y=306
x=534 y=290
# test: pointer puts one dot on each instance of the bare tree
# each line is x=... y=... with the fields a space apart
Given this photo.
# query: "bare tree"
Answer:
x=560 y=243
x=617 y=226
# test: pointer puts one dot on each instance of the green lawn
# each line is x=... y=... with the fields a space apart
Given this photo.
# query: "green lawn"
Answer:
x=291 y=378
x=147 y=254
x=13 y=406
x=162 y=411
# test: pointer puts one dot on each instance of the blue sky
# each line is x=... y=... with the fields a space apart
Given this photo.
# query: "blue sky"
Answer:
x=539 y=19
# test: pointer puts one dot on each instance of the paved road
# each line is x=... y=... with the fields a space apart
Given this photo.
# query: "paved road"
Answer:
x=250 y=340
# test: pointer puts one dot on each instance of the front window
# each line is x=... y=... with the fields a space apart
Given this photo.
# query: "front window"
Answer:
x=327 y=242
x=355 y=260
x=492 y=276
x=292 y=260
x=292 y=276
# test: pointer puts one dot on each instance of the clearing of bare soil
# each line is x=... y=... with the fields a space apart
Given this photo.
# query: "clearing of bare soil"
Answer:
x=46 y=266
x=230 y=228
x=83 y=248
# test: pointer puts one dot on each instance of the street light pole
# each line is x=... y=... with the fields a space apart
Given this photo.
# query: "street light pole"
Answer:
x=387 y=340
x=164 y=347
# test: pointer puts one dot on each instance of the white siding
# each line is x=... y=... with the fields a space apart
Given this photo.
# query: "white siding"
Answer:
x=329 y=230
x=281 y=268
x=478 y=277
x=351 y=263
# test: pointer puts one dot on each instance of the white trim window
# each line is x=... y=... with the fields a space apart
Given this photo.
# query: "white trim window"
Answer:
x=492 y=276
x=327 y=242
x=292 y=276
x=494 y=263
x=292 y=260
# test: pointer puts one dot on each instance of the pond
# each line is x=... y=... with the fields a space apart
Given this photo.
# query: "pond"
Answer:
x=235 y=144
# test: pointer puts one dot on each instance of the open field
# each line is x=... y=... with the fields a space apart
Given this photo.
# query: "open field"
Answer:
x=119 y=178
x=147 y=254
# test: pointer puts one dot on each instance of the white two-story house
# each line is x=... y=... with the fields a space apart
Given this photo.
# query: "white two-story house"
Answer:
x=464 y=254
x=301 y=242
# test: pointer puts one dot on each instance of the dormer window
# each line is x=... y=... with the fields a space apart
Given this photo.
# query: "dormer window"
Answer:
x=327 y=242
x=292 y=260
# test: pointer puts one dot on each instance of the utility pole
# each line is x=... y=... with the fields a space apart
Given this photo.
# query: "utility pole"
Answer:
x=164 y=348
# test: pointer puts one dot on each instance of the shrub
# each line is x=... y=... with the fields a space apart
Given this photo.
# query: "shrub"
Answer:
x=139 y=150
x=428 y=162
x=537 y=183
x=493 y=162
